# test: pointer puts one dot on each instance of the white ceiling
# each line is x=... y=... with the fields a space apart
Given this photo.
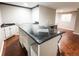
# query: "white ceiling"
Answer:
x=25 y=4
x=60 y=6
x=55 y=5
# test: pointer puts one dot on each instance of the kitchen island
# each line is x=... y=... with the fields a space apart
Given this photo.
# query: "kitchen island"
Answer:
x=39 y=43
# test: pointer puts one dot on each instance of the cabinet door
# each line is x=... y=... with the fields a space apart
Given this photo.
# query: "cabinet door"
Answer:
x=3 y=33
x=7 y=32
x=24 y=39
x=14 y=30
x=1 y=36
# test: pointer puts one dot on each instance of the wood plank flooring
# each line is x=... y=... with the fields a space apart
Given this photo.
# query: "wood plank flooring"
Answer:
x=69 y=44
x=12 y=47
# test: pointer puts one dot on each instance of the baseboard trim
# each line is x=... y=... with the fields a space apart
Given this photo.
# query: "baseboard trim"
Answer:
x=66 y=28
x=1 y=48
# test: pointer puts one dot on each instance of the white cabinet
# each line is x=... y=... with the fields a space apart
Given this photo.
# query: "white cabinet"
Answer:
x=1 y=37
x=25 y=40
x=10 y=31
x=3 y=33
x=48 y=48
x=7 y=32
x=14 y=30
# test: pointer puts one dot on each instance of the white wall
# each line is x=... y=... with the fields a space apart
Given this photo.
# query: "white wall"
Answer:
x=35 y=14
x=46 y=16
x=0 y=17
x=72 y=24
x=1 y=36
x=11 y=14
x=66 y=25
x=77 y=23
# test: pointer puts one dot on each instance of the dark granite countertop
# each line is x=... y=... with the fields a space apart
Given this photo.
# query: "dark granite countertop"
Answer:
x=38 y=36
x=6 y=25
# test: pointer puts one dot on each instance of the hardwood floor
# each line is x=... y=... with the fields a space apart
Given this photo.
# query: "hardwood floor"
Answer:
x=12 y=47
x=69 y=44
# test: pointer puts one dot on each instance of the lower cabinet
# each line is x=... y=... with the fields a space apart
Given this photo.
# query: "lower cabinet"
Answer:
x=25 y=41
x=34 y=50
x=7 y=32
x=48 y=48
x=14 y=30
x=3 y=33
x=10 y=31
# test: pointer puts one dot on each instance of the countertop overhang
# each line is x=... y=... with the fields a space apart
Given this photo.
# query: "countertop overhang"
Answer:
x=38 y=39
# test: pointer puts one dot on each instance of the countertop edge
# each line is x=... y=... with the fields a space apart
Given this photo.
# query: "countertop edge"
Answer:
x=37 y=38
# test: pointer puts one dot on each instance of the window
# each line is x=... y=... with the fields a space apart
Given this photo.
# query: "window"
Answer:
x=66 y=17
